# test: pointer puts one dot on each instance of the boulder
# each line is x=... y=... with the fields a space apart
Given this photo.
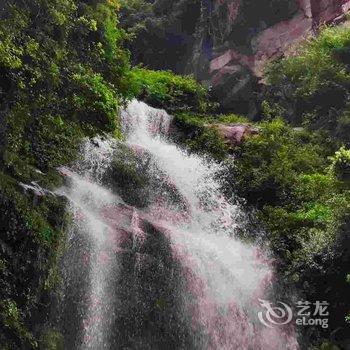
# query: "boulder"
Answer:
x=235 y=134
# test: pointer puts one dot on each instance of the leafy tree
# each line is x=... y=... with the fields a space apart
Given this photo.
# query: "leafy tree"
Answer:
x=311 y=87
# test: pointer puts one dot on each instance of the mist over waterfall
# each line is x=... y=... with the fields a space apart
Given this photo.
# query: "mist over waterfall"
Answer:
x=153 y=261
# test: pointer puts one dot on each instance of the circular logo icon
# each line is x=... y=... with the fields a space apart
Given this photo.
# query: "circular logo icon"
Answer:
x=274 y=315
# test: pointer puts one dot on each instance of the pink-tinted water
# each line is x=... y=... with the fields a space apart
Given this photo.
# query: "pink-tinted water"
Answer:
x=223 y=278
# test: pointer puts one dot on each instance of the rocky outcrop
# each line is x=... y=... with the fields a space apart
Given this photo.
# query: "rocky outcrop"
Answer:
x=235 y=134
x=224 y=43
x=238 y=37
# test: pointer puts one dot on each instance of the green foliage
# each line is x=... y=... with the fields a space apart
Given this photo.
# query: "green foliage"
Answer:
x=326 y=346
x=52 y=340
x=306 y=207
x=285 y=173
x=212 y=142
x=95 y=100
x=64 y=75
x=311 y=87
x=313 y=186
x=135 y=14
x=164 y=89
x=271 y=110
x=200 y=134
x=271 y=163
x=189 y=121
x=341 y=164
x=231 y=119
x=11 y=318
x=314 y=212
x=314 y=64
x=45 y=219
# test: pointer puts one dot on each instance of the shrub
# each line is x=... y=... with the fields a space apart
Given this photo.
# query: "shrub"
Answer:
x=95 y=101
x=314 y=64
x=285 y=174
x=341 y=164
x=268 y=165
x=311 y=87
x=10 y=315
x=164 y=89
x=52 y=340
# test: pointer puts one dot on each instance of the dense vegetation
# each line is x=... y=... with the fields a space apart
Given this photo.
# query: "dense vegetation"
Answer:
x=164 y=89
x=312 y=87
x=309 y=215
x=63 y=76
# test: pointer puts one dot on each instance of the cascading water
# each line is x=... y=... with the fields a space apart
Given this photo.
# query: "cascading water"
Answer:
x=153 y=262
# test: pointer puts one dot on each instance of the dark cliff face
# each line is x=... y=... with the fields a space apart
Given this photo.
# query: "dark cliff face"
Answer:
x=238 y=37
x=226 y=43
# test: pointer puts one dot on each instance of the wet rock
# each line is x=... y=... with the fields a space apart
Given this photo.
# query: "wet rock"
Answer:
x=135 y=176
x=232 y=86
x=149 y=298
x=36 y=191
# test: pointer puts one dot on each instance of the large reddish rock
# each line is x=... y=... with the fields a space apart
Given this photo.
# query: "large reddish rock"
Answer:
x=238 y=37
x=236 y=134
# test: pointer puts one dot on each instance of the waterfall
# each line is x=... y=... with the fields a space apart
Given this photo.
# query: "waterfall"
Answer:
x=153 y=261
